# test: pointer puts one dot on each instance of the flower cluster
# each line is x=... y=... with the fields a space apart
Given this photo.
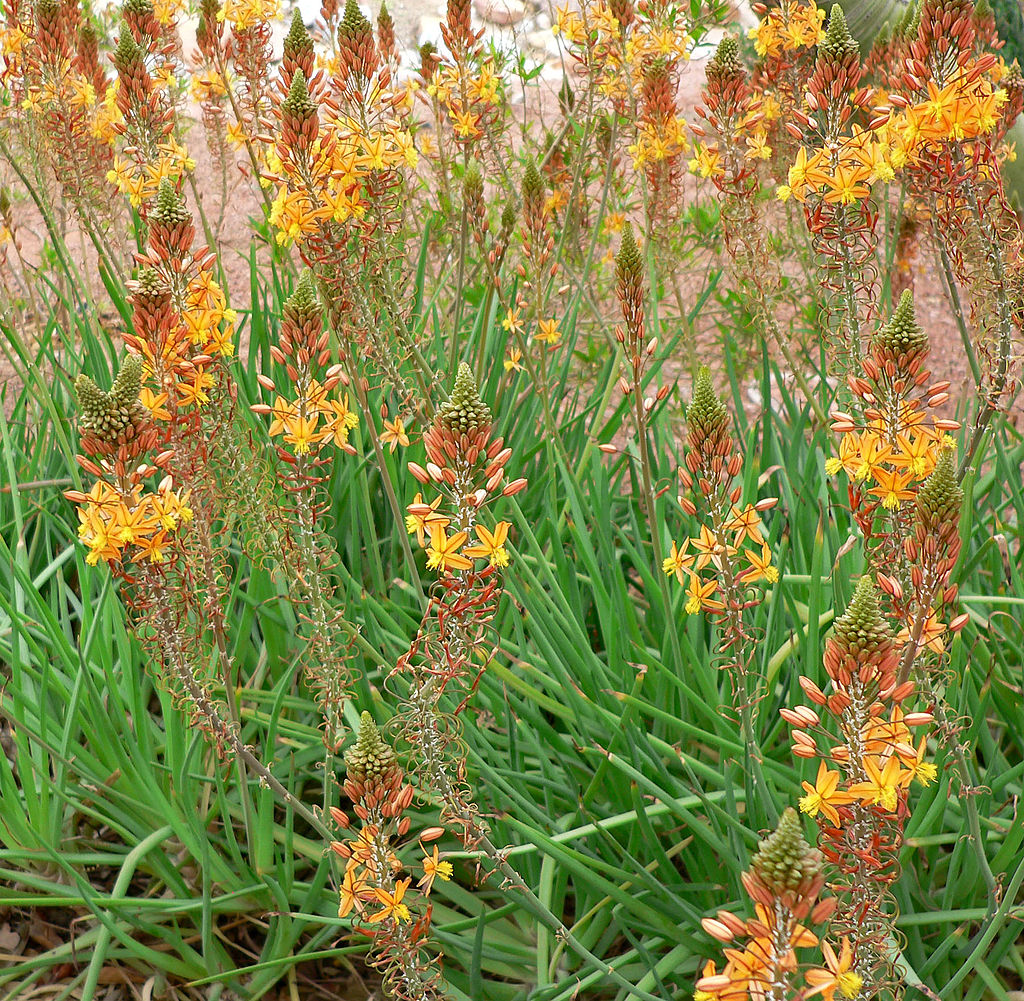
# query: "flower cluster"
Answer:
x=897 y=444
x=121 y=515
x=328 y=171
x=464 y=87
x=338 y=166
x=309 y=420
x=631 y=56
x=928 y=110
x=861 y=800
x=251 y=53
x=791 y=27
x=56 y=96
x=181 y=322
x=468 y=466
x=373 y=890
x=712 y=467
x=180 y=327
x=456 y=639
x=731 y=137
x=616 y=42
x=785 y=881
x=841 y=166
x=145 y=96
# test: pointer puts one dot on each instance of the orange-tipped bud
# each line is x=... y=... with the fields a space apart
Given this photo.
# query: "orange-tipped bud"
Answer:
x=716 y=929
x=901 y=692
x=823 y=910
x=919 y=719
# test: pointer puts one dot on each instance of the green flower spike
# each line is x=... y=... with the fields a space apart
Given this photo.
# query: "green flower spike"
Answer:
x=298 y=103
x=784 y=860
x=302 y=305
x=902 y=334
x=297 y=42
x=940 y=498
x=465 y=412
x=707 y=417
x=726 y=60
x=838 y=43
x=629 y=265
x=170 y=209
x=110 y=416
x=861 y=627
x=369 y=758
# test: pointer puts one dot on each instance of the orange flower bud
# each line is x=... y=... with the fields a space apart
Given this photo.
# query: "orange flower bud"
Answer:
x=918 y=719
x=823 y=910
x=900 y=692
x=716 y=929
x=792 y=717
x=812 y=691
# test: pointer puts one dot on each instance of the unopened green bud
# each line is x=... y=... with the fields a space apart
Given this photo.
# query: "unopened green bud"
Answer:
x=784 y=860
x=861 y=628
x=707 y=417
x=302 y=305
x=127 y=52
x=170 y=208
x=838 y=43
x=369 y=757
x=297 y=42
x=464 y=412
x=903 y=334
x=298 y=103
x=940 y=498
x=726 y=60
x=629 y=265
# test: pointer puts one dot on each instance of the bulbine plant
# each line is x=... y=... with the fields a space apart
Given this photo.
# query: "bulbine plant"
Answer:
x=492 y=676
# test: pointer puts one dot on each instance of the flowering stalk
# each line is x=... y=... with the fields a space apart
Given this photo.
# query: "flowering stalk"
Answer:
x=536 y=271
x=909 y=516
x=862 y=804
x=733 y=138
x=467 y=466
x=375 y=783
x=146 y=111
x=309 y=420
x=710 y=471
x=898 y=441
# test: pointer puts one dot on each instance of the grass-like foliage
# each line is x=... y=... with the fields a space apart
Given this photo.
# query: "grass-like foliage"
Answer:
x=549 y=568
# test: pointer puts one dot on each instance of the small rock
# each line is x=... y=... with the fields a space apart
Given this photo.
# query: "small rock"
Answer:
x=544 y=41
x=502 y=12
